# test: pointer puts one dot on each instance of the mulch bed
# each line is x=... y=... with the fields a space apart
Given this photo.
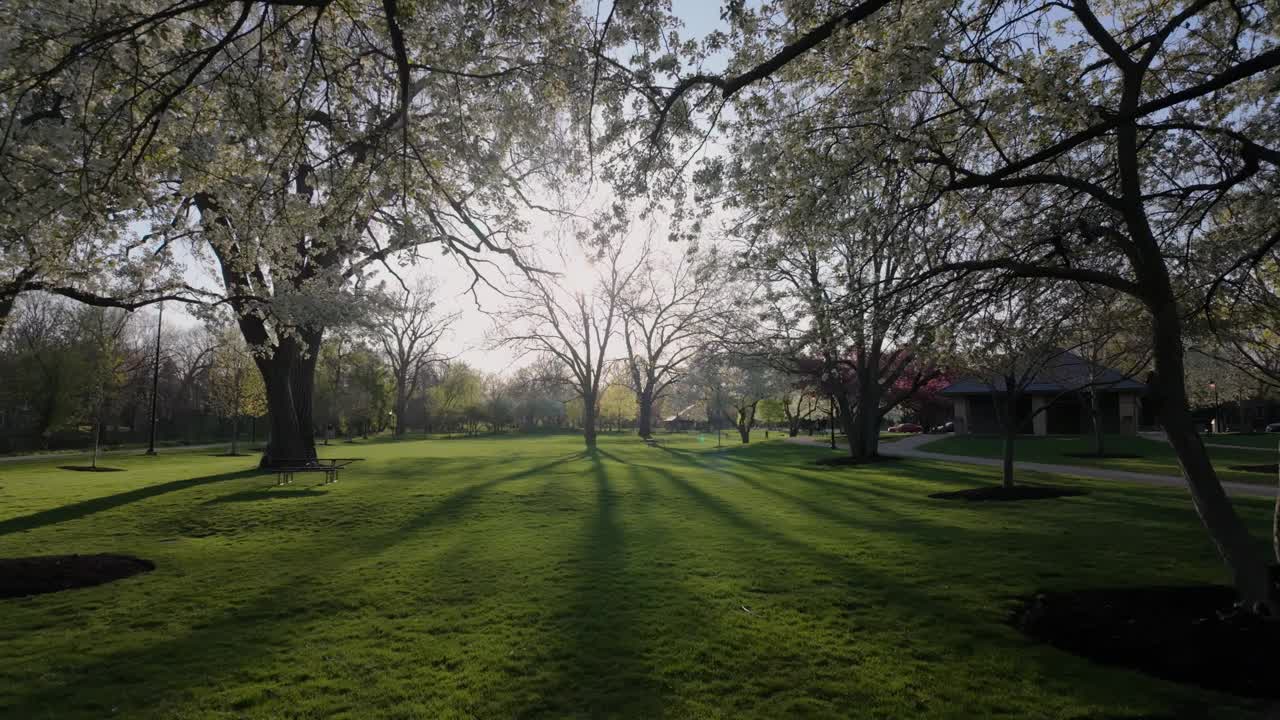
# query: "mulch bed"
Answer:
x=1189 y=635
x=53 y=573
x=1271 y=469
x=846 y=461
x=1103 y=456
x=89 y=468
x=1000 y=493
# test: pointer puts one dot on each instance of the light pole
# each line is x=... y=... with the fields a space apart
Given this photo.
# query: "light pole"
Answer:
x=155 y=384
x=1217 y=423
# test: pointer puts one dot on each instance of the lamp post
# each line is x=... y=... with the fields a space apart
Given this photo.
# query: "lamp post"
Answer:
x=155 y=384
x=1217 y=423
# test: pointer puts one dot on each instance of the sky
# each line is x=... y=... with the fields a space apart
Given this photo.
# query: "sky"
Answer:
x=471 y=338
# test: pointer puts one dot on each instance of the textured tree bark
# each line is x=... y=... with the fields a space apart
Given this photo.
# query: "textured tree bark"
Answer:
x=1010 y=426
x=402 y=405
x=746 y=418
x=1095 y=403
x=1238 y=548
x=849 y=422
x=870 y=404
x=589 y=420
x=644 y=418
x=289 y=377
x=7 y=300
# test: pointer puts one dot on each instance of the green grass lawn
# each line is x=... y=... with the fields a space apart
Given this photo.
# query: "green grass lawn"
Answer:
x=1268 y=441
x=488 y=578
x=1157 y=457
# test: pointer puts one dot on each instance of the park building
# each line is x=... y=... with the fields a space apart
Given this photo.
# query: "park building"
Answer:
x=1055 y=401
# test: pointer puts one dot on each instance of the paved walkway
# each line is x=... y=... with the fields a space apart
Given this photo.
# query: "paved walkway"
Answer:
x=1161 y=437
x=907 y=448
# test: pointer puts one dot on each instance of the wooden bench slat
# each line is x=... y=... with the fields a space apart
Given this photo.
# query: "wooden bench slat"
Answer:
x=328 y=466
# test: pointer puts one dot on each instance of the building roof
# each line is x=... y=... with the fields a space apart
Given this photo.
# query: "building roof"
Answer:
x=686 y=414
x=1066 y=372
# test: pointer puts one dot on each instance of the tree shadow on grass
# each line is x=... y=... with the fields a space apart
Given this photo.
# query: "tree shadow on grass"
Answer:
x=253 y=495
x=142 y=676
x=453 y=505
x=604 y=666
x=84 y=508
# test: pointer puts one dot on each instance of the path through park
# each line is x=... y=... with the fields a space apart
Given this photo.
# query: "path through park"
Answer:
x=910 y=448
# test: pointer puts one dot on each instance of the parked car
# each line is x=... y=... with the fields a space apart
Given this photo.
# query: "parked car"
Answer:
x=1274 y=427
x=944 y=428
x=905 y=428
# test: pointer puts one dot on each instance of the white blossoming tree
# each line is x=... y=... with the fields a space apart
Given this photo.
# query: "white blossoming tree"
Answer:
x=297 y=146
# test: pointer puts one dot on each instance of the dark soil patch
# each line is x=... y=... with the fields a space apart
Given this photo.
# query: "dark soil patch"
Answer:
x=1103 y=456
x=1271 y=469
x=1191 y=635
x=53 y=573
x=846 y=461
x=89 y=468
x=1000 y=493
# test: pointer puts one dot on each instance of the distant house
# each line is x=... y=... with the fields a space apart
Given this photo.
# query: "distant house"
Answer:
x=1056 y=401
x=686 y=419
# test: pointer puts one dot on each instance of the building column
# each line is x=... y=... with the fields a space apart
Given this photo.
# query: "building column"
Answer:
x=960 y=413
x=1128 y=412
x=1040 y=418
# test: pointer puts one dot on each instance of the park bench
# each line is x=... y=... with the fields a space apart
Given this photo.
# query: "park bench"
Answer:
x=328 y=466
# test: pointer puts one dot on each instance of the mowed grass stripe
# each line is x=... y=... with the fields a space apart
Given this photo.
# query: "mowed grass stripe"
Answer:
x=522 y=577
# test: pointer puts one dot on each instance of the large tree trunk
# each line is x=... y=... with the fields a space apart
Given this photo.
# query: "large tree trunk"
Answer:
x=869 y=409
x=402 y=405
x=1241 y=552
x=1010 y=426
x=849 y=421
x=1095 y=407
x=7 y=300
x=746 y=418
x=1006 y=454
x=589 y=420
x=862 y=429
x=97 y=435
x=644 y=415
x=289 y=377
x=1238 y=548
x=855 y=431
